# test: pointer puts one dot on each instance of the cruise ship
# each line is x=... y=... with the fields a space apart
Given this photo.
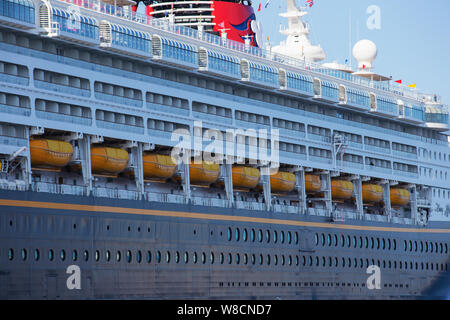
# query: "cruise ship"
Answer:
x=169 y=153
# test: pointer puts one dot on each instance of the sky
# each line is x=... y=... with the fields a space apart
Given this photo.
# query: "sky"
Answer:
x=413 y=40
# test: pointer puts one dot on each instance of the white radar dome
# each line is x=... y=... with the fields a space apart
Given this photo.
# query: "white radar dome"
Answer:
x=365 y=52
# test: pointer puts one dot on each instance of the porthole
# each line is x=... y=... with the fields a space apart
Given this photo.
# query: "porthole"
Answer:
x=303 y=260
x=74 y=255
x=139 y=256
x=322 y=237
x=177 y=257
x=107 y=255
x=405 y=245
x=441 y=248
x=229 y=234
x=394 y=244
x=51 y=255
x=221 y=258
x=186 y=257
x=349 y=262
x=421 y=246
x=342 y=241
x=238 y=258
x=97 y=255
x=366 y=242
x=389 y=244
x=260 y=259
x=410 y=245
x=86 y=255
x=310 y=261
x=383 y=244
x=128 y=256
x=335 y=240
x=354 y=242
x=360 y=242
x=252 y=235
x=36 y=254
x=415 y=246
x=237 y=234
x=167 y=257
x=275 y=260
x=275 y=236
x=317 y=261
x=289 y=237
x=245 y=258
x=436 y=247
x=378 y=243
x=282 y=260
x=372 y=244
x=149 y=256
x=290 y=260
x=355 y=263
x=343 y=262
x=282 y=237
x=330 y=262
x=211 y=258
x=244 y=235
x=426 y=246
x=336 y=262
x=348 y=242
x=10 y=254
x=296 y=238
x=361 y=263
x=260 y=235
x=329 y=240
x=324 y=261
x=203 y=258
x=118 y=256
x=296 y=260
x=268 y=259
x=267 y=236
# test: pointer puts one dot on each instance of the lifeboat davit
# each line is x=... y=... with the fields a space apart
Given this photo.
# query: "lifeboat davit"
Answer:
x=245 y=177
x=108 y=161
x=341 y=189
x=312 y=183
x=399 y=197
x=204 y=173
x=372 y=193
x=157 y=166
x=282 y=182
x=50 y=154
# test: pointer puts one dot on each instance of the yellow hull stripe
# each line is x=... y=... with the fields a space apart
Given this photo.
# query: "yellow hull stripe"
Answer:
x=206 y=216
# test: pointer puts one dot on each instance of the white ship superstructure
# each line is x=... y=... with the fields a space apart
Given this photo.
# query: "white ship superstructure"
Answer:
x=100 y=90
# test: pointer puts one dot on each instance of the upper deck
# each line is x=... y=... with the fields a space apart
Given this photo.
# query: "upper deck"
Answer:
x=97 y=24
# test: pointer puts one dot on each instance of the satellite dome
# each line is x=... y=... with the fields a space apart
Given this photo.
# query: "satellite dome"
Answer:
x=365 y=52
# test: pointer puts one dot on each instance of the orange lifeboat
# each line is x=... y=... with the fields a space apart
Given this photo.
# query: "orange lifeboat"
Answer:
x=245 y=177
x=372 y=193
x=204 y=173
x=399 y=197
x=108 y=161
x=282 y=182
x=341 y=189
x=50 y=154
x=312 y=183
x=157 y=166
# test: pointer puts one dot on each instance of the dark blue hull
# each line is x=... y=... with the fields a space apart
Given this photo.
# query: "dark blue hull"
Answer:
x=138 y=249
